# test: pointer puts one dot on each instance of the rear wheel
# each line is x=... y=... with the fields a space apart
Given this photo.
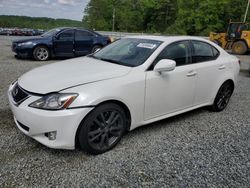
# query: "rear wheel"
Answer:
x=102 y=129
x=41 y=53
x=96 y=48
x=223 y=96
x=239 y=47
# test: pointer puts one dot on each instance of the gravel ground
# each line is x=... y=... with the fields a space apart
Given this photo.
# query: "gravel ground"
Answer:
x=196 y=149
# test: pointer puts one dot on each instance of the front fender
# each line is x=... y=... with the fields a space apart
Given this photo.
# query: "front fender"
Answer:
x=129 y=91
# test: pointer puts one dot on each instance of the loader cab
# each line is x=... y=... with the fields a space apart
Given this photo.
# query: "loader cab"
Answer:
x=235 y=30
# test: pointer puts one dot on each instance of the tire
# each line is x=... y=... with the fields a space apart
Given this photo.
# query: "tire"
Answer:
x=95 y=48
x=17 y=56
x=102 y=129
x=223 y=96
x=41 y=53
x=239 y=48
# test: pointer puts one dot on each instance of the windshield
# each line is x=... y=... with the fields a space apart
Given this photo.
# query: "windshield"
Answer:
x=50 y=32
x=128 y=51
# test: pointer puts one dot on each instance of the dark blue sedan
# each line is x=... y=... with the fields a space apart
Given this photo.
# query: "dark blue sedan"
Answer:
x=60 y=42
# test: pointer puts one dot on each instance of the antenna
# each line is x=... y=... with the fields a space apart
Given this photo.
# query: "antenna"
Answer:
x=245 y=17
x=113 y=24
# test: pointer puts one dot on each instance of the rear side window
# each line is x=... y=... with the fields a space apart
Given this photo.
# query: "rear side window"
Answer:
x=215 y=52
x=178 y=51
x=79 y=35
x=203 y=52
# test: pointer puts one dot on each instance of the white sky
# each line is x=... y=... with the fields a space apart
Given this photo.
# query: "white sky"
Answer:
x=69 y=9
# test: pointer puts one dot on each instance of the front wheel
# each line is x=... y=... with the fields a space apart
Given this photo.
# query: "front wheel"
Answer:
x=41 y=53
x=223 y=96
x=239 y=48
x=102 y=129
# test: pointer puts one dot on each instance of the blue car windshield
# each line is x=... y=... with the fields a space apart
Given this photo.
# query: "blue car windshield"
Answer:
x=128 y=51
x=50 y=32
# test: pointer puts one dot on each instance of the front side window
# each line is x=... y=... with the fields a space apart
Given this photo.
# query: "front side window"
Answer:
x=179 y=52
x=50 y=32
x=128 y=51
x=66 y=35
x=203 y=52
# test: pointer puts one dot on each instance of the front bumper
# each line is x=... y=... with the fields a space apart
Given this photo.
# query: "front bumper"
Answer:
x=22 y=51
x=37 y=123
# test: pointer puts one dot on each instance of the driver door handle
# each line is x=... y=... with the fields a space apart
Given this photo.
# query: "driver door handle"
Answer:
x=221 y=67
x=191 y=73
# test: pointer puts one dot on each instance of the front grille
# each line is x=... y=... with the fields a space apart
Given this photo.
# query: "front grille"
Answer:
x=18 y=94
x=23 y=126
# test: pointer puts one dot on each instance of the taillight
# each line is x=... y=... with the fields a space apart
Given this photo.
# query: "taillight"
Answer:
x=109 y=40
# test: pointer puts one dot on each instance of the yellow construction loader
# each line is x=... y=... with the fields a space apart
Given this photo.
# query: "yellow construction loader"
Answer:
x=237 y=38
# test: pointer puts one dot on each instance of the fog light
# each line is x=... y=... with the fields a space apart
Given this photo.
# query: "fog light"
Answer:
x=52 y=135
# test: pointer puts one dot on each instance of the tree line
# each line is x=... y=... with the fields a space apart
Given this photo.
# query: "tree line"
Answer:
x=36 y=23
x=192 y=17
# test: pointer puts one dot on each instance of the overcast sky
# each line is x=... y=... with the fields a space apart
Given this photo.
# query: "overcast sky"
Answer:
x=70 y=9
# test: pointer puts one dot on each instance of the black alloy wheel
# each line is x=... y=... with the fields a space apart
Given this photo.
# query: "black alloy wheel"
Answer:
x=102 y=129
x=223 y=96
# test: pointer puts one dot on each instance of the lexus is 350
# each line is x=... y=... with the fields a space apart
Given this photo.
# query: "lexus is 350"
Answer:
x=91 y=101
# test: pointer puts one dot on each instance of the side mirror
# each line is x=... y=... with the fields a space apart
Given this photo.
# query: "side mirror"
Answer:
x=165 y=65
x=55 y=37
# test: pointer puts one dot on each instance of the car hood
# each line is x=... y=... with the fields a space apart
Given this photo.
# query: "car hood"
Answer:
x=61 y=75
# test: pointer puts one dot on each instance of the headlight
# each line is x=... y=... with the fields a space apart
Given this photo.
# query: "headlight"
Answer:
x=56 y=101
x=24 y=43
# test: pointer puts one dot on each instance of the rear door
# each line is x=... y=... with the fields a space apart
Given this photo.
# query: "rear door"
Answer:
x=63 y=43
x=209 y=70
x=83 y=42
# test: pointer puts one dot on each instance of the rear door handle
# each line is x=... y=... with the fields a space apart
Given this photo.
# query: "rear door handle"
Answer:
x=191 y=73
x=221 y=67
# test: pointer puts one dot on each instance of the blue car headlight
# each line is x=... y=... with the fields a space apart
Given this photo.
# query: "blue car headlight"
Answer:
x=25 y=43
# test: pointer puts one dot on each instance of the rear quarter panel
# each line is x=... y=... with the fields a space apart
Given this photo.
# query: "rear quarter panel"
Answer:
x=231 y=73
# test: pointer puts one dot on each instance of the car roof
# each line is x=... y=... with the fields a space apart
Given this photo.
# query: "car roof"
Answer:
x=167 y=38
x=78 y=28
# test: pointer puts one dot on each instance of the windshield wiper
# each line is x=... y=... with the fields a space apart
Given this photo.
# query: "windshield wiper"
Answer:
x=111 y=61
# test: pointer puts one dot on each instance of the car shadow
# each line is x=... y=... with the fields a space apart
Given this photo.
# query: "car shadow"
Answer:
x=51 y=59
x=168 y=122
x=172 y=120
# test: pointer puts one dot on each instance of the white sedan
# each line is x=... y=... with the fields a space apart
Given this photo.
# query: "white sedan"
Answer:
x=91 y=101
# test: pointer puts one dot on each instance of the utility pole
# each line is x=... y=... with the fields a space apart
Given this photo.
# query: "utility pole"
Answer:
x=245 y=17
x=113 y=26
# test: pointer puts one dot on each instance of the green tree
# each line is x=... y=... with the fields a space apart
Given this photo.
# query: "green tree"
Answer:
x=200 y=17
x=193 y=17
x=36 y=23
x=130 y=15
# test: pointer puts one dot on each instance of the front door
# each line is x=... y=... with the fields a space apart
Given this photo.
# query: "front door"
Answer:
x=171 y=91
x=63 y=44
